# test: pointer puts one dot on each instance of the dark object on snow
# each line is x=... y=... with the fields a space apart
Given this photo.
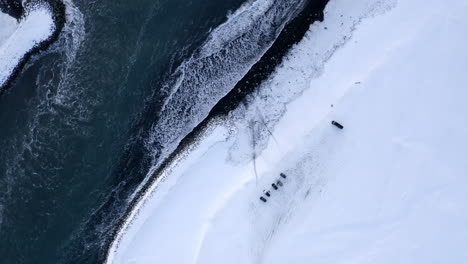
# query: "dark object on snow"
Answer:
x=283 y=175
x=267 y=193
x=274 y=186
x=338 y=125
x=263 y=199
x=279 y=183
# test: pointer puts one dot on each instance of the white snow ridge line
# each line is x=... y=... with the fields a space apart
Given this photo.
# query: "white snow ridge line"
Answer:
x=17 y=39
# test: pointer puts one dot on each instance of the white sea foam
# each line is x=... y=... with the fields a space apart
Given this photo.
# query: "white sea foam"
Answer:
x=69 y=43
x=214 y=69
x=35 y=27
x=209 y=74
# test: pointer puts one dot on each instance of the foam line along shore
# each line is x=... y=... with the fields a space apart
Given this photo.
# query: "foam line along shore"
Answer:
x=291 y=34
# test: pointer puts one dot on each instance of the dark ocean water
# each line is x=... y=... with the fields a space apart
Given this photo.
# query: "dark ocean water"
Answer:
x=64 y=125
x=83 y=124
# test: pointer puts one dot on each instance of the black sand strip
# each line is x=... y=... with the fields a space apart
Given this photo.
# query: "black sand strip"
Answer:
x=293 y=32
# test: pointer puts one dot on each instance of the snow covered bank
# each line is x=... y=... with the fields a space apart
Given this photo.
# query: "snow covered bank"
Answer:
x=17 y=40
x=389 y=188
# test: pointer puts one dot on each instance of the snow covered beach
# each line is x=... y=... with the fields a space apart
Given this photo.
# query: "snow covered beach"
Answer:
x=388 y=188
x=9 y=25
x=18 y=39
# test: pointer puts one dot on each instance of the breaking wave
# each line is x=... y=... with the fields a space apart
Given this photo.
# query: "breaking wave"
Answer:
x=214 y=69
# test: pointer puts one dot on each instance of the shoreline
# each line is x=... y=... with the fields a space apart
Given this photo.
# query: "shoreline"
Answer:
x=292 y=33
x=57 y=9
x=327 y=178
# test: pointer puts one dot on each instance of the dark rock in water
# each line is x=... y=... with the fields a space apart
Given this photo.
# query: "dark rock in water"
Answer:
x=13 y=8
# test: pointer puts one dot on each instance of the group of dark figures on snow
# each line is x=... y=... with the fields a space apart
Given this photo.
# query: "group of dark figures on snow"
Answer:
x=276 y=185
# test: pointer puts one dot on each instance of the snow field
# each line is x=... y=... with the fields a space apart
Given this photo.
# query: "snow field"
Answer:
x=389 y=188
x=8 y=26
x=397 y=189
